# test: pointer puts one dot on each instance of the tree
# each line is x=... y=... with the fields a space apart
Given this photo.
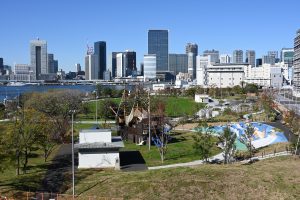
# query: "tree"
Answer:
x=228 y=140
x=203 y=143
x=237 y=89
x=105 y=109
x=247 y=137
x=23 y=136
x=56 y=105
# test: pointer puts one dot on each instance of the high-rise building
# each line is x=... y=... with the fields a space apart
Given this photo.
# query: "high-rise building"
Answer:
x=119 y=65
x=158 y=44
x=275 y=55
x=129 y=63
x=114 y=64
x=296 y=78
x=1 y=64
x=191 y=48
x=237 y=56
x=214 y=55
x=100 y=51
x=250 y=57
x=268 y=59
x=50 y=59
x=178 y=63
x=78 y=67
x=287 y=56
x=91 y=67
x=258 y=62
x=202 y=64
x=150 y=66
x=55 y=63
x=38 y=55
x=225 y=58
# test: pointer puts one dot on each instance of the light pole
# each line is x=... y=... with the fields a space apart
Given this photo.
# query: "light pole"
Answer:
x=73 y=173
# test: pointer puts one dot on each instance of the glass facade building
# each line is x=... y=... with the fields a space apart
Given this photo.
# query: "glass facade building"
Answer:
x=250 y=57
x=38 y=57
x=100 y=51
x=237 y=56
x=287 y=56
x=150 y=66
x=158 y=44
x=178 y=63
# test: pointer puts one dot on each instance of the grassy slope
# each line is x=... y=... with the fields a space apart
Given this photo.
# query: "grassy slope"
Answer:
x=180 y=150
x=179 y=106
x=277 y=178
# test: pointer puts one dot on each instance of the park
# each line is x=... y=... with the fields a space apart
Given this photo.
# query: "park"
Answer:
x=232 y=132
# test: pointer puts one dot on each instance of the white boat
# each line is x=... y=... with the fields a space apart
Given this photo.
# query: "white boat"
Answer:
x=16 y=84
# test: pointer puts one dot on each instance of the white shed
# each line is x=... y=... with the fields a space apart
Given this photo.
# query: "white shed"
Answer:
x=201 y=98
x=98 y=149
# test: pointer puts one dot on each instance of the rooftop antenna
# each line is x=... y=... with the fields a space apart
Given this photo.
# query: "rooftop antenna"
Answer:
x=90 y=50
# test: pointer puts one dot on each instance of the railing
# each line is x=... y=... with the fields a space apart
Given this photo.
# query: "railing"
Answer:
x=52 y=196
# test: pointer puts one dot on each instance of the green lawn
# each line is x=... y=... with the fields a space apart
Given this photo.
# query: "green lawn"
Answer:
x=180 y=150
x=180 y=106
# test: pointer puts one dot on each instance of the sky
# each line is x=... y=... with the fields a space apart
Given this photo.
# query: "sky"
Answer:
x=69 y=25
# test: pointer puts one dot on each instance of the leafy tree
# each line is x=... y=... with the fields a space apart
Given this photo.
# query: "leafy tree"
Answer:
x=247 y=137
x=23 y=136
x=228 y=141
x=203 y=143
x=57 y=105
x=251 y=88
x=237 y=89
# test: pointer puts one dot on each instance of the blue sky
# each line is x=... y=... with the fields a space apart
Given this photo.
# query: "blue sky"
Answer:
x=68 y=25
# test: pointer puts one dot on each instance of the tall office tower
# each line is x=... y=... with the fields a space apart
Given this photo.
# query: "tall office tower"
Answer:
x=158 y=44
x=275 y=55
x=258 y=62
x=78 y=67
x=38 y=56
x=178 y=63
x=55 y=63
x=268 y=59
x=237 y=56
x=191 y=48
x=100 y=51
x=1 y=64
x=214 y=55
x=50 y=59
x=287 y=56
x=142 y=69
x=129 y=63
x=91 y=67
x=150 y=66
x=296 y=78
x=192 y=64
x=119 y=65
x=250 y=57
x=225 y=58
x=114 y=64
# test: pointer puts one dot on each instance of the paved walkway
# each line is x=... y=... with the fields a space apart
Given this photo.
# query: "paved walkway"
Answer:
x=219 y=157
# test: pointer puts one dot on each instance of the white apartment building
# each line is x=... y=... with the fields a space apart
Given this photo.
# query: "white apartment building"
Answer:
x=150 y=66
x=267 y=75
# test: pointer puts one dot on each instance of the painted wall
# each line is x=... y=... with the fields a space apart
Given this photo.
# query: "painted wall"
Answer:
x=98 y=160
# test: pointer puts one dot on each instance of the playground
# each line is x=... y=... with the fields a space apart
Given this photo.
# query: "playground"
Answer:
x=264 y=134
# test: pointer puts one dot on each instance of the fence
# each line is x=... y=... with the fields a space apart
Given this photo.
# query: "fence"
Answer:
x=52 y=196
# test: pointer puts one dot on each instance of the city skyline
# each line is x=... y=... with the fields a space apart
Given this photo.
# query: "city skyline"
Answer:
x=68 y=41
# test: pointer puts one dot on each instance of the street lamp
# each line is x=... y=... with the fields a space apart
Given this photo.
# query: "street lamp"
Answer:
x=73 y=173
